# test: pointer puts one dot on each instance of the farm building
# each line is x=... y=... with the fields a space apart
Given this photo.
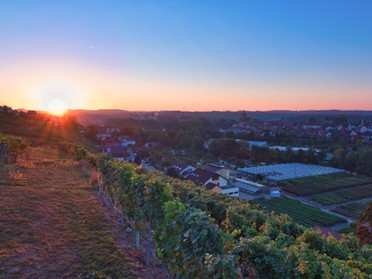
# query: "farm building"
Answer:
x=249 y=189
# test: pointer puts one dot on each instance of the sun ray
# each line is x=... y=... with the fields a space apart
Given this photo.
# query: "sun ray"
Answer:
x=57 y=107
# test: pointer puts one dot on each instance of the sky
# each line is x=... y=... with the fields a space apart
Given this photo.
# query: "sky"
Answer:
x=195 y=55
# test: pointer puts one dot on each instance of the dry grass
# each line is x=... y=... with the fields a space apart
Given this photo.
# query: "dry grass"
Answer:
x=52 y=225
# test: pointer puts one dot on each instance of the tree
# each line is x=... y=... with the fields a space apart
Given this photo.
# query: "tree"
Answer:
x=172 y=172
x=364 y=163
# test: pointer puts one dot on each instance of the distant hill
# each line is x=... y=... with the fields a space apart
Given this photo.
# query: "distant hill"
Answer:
x=97 y=116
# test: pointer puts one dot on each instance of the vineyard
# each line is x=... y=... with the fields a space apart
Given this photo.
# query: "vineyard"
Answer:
x=195 y=233
x=303 y=214
x=340 y=196
x=353 y=210
x=204 y=235
x=323 y=183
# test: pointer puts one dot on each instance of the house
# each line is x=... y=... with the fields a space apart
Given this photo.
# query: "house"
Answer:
x=224 y=176
x=223 y=186
x=275 y=194
x=115 y=148
x=257 y=143
x=111 y=145
x=181 y=169
x=213 y=167
x=103 y=136
x=202 y=176
x=126 y=141
x=119 y=154
x=228 y=190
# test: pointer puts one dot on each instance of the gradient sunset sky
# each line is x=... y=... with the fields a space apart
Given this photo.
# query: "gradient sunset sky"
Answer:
x=186 y=55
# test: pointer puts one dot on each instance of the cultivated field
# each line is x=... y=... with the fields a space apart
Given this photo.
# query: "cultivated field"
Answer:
x=323 y=183
x=353 y=210
x=346 y=195
x=303 y=214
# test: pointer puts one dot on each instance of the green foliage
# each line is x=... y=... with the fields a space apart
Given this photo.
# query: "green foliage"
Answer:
x=76 y=151
x=16 y=146
x=227 y=148
x=200 y=234
x=355 y=161
x=193 y=243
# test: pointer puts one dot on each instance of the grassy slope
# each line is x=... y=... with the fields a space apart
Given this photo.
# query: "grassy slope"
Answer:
x=51 y=225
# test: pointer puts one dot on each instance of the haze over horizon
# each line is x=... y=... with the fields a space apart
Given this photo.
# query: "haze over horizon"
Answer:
x=190 y=56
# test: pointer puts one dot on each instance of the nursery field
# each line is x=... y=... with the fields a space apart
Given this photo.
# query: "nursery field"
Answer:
x=346 y=195
x=301 y=213
x=324 y=183
x=353 y=210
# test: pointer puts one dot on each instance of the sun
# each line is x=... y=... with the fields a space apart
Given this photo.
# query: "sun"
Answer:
x=57 y=96
x=57 y=107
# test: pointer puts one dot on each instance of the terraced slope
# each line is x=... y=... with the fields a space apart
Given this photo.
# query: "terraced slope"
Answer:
x=52 y=225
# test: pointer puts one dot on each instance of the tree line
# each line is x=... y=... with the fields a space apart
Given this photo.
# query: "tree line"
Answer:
x=359 y=161
x=231 y=149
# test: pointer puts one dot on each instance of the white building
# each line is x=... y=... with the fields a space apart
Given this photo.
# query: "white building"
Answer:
x=250 y=190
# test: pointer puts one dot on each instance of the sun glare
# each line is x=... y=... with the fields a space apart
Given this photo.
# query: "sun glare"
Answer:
x=57 y=96
x=57 y=107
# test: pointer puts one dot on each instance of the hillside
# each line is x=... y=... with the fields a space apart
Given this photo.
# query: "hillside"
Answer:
x=53 y=226
x=41 y=128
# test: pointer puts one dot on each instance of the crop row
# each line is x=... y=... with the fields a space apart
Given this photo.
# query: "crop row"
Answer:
x=322 y=183
x=301 y=213
x=344 y=195
x=353 y=210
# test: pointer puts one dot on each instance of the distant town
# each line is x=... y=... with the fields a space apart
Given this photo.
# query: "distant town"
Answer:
x=253 y=159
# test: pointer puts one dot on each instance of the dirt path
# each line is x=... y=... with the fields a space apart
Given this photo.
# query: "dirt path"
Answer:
x=53 y=226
